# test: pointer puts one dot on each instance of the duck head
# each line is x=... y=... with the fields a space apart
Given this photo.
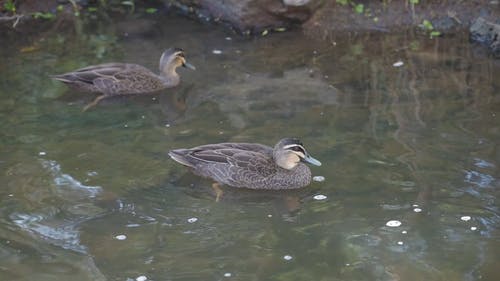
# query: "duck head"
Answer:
x=173 y=58
x=289 y=152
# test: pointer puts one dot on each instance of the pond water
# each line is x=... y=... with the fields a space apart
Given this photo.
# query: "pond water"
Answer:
x=407 y=129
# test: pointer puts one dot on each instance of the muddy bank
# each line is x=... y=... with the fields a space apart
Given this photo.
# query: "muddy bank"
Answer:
x=395 y=15
x=317 y=18
x=321 y=18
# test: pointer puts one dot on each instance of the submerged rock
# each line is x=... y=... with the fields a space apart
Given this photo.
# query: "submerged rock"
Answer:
x=487 y=33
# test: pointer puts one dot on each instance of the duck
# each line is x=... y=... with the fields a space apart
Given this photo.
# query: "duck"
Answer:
x=250 y=165
x=113 y=79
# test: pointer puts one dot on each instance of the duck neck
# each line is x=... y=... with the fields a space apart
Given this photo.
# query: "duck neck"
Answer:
x=285 y=161
x=170 y=76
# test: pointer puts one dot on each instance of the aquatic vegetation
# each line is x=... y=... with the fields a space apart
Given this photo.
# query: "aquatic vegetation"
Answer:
x=428 y=27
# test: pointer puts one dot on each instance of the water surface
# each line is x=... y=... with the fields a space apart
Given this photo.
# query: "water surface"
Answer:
x=93 y=196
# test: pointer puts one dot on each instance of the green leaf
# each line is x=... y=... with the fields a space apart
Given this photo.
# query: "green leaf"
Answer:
x=427 y=25
x=45 y=16
x=342 y=2
x=128 y=3
x=359 y=8
x=435 y=33
x=414 y=1
x=131 y=4
x=92 y=9
x=151 y=10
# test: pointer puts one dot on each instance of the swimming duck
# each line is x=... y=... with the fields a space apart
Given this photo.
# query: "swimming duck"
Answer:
x=112 y=79
x=250 y=165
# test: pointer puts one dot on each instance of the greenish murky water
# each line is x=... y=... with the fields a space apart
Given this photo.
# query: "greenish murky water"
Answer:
x=93 y=196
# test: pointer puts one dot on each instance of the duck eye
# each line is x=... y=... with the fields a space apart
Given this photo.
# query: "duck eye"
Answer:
x=297 y=148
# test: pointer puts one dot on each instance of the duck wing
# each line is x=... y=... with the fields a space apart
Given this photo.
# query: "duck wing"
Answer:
x=109 y=78
x=234 y=167
x=248 y=147
x=90 y=73
x=233 y=156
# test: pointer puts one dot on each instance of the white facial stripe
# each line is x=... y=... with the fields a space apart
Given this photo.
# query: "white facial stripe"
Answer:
x=300 y=153
x=294 y=145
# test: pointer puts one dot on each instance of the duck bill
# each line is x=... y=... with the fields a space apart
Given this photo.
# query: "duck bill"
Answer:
x=311 y=160
x=188 y=65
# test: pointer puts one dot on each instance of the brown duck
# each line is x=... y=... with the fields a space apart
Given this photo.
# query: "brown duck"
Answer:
x=250 y=165
x=113 y=79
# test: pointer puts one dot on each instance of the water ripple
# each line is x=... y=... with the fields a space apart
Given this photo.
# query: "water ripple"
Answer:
x=479 y=179
x=483 y=163
x=67 y=181
x=65 y=236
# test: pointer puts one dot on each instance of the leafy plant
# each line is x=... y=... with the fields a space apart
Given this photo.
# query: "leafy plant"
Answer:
x=359 y=8
x=427 y=25
x=9 y=6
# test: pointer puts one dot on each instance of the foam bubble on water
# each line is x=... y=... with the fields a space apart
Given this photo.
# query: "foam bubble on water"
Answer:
x=227 y=274
x=320 y=197
x=318 y=178
x=141 y=278
x=400 y=243
x=120 y=237
x=404 y=231
x=287 y=257
x=192 y=220
x=417 y=210
x=393 y=223
x=473 y=228
x=465 y=218
x=269 y=216
x=398 y=64
x=216 y=52
x=42 y=153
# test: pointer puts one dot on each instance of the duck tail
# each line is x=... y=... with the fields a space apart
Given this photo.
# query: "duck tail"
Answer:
x=179 y=156
x=61 y=77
